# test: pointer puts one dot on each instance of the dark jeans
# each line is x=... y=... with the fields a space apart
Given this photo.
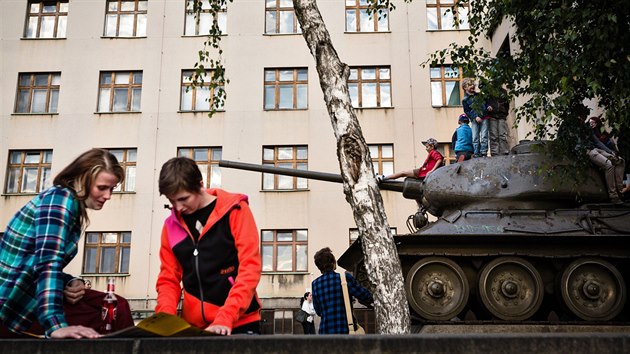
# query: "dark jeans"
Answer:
x=463 y=155
x=309 y=327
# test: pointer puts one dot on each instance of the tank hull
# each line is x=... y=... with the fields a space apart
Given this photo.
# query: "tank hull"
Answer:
x=511 y=277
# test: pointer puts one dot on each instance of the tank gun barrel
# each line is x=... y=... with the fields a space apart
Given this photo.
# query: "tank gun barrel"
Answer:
x=320 y=176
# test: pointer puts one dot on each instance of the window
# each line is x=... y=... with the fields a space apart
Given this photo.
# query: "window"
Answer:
x=127 y=159
x=120 y=91
x=441 y=15
x=126 y=18
x=283 y=322
x=354 y=233
x=203 y=26
x=382 y=158
x=287 y=157
x=37 y=93
x=446 y=88
x=107 y=252
x=28 y=171
x=358 y=19
x=286 y=88
x=46 y=19
x=280 y=17
x=284 y=250
x=447 y=151
x=195 y=99
x=207 y=158
x=370 y=87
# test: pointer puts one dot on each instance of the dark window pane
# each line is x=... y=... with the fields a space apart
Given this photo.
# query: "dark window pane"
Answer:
x=108 y=258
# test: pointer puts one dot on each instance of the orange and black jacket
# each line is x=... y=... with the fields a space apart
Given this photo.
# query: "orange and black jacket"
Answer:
x=219 y=272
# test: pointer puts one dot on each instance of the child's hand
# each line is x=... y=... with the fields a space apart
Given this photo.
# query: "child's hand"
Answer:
x=74 y=291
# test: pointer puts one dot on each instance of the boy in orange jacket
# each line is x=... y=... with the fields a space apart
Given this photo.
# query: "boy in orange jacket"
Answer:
x=210 y=249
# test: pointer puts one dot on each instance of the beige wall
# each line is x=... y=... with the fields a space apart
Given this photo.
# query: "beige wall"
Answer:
x=241 y=130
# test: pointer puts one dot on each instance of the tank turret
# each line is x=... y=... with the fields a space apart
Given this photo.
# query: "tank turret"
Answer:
x=502 y=182
x=513 y=238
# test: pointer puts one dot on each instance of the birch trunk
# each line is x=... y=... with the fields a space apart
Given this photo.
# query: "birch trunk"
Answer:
x=359 y=185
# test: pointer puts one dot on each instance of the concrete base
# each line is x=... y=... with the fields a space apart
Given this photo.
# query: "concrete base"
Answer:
x=512 y=328
x=552 y=343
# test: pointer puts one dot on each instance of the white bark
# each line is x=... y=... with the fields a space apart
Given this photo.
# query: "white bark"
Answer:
x=360 y=187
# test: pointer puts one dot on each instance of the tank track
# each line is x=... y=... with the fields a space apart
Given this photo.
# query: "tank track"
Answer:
x=539 y=279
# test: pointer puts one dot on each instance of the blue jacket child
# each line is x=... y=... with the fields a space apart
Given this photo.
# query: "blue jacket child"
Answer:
x=462 y=139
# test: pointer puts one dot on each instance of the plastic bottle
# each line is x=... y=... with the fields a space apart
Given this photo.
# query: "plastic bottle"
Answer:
x=110 y=304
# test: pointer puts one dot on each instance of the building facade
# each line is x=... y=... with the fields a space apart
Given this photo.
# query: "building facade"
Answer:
x=116 y=74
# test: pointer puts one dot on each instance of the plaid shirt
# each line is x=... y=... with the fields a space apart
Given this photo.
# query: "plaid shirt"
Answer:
x=40 y=240
x=329 y=304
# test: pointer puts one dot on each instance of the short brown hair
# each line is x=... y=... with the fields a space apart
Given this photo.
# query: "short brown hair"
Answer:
x=179 y=173
x=81 y=173
x=325 y=260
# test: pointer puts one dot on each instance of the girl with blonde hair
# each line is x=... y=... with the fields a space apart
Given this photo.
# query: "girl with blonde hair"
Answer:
x=42 y=238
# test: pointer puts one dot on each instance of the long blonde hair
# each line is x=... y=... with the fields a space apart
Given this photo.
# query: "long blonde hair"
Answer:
x=81 y=173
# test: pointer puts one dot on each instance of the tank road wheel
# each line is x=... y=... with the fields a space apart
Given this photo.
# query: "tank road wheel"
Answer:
x=361 y=275
x=437 y=288
x=593 y=289
x=510 y=288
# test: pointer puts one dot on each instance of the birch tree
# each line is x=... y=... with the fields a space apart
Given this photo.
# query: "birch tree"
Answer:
x=359 y=185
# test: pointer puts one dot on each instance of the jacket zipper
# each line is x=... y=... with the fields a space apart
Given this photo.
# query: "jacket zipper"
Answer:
x=196 y=256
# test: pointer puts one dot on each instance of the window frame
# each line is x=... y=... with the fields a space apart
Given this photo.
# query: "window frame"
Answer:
x=119 y=245
x=41 y=15
x=377 y=162
x=438 y=5
x=353 y=234
x=359 y=81
x=447 y=151
x=136 y=12
x=283 y=322
x=127 y=165
x=188 y=85
x=50 y=89
x=358 y=7
x=43 y=164
x=443 y=80
x=205 y=166
x=295 y=161
x=274 y=244
x=277 y=8
x=278 y=82
x=220 y=17
x=112 y=86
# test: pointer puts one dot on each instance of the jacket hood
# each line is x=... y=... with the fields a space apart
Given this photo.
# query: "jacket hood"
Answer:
x=225 y=201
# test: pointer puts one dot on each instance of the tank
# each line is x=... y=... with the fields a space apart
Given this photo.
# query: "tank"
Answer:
x=512 y=238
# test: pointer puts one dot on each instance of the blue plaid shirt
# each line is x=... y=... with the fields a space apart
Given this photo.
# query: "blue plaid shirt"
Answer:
x=40 y=240
x=329 y=304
